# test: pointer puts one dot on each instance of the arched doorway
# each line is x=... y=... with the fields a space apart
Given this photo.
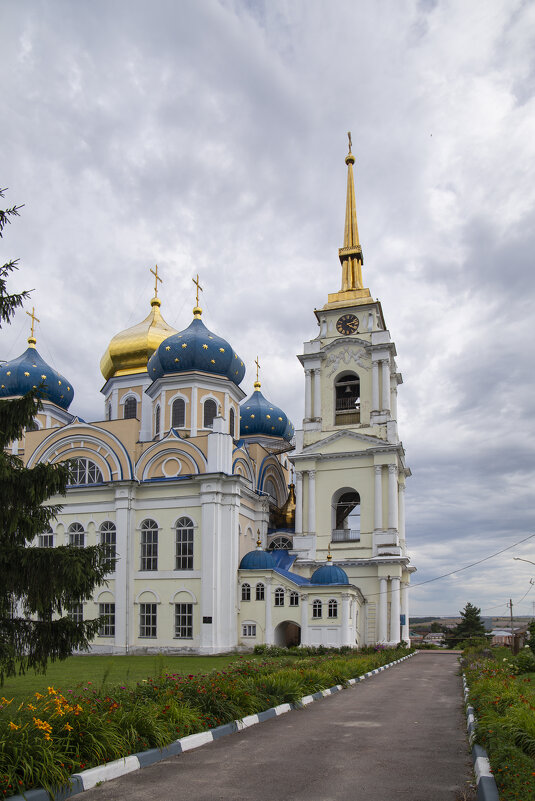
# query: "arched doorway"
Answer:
x=287 y=634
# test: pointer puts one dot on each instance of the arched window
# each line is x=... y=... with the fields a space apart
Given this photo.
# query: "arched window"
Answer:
x=316 y=609
x=178 y=413
x=246 y=592
x=76 y=535
x=184 y=544
x=347 y=517
x=130 y=408
x=260 y=592
x=280 y=544
x=83 y=471
x=157 y=422
x=149 y=545
x=271 y=490
x=32 y=426
x=46 y=539
x=279 y=597
x=333 y=608
x=232 y=423
x=108 y=412
x=108 y=539
x=294 y=598
x=347 y=399
x=209 y=413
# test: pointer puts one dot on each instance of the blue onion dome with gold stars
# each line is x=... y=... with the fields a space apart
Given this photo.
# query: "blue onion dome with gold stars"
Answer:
x=196 y=348
x=260 y=417
x=329 y=574
x=30 y=371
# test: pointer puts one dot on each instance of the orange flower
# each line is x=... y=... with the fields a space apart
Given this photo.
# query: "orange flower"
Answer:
x=13 y=726
x=68 y=727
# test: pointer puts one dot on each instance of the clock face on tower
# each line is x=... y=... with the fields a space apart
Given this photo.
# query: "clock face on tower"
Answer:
x=347 y=324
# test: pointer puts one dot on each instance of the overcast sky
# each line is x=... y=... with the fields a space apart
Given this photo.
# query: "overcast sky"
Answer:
x=210 y=137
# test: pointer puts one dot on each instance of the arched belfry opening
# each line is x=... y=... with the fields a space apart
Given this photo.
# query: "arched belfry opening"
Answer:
x=347 y=399
x=346 y=515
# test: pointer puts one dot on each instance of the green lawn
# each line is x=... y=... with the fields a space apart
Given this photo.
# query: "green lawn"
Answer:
x=92 y=671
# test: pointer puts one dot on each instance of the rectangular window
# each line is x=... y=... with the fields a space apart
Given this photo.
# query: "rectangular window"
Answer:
x=107 y=628
x=248 y=629
x=76 y=613
x=184 y=549
x=147 y=620
x=149 y=550
x=76 y=539
x=184 y=621
x=46 y=540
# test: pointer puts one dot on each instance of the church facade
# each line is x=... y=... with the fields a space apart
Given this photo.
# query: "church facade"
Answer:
x=189 y=483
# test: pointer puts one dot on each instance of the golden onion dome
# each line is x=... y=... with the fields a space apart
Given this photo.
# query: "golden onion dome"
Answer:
x=130 y=350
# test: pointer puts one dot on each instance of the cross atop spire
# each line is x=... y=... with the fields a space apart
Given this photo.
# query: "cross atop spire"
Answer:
x=197 y=311
x=257 y=383
x=31 y=339
x=156 y=279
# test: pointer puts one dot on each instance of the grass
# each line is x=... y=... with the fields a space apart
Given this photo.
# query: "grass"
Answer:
x=108 y=671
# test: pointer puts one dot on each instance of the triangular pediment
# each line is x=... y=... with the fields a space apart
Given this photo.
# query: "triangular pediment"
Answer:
x=341 y=441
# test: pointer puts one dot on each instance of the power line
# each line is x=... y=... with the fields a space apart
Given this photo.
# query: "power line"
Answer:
x=466 y=567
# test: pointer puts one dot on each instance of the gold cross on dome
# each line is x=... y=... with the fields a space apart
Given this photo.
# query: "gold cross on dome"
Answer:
x=257 y=367
x=156 y=279
x=199 y=287
x=349 y=137
x=34 y=319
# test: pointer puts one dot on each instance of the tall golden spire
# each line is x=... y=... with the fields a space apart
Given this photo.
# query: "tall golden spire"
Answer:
x=350 y=254
x=257 y=383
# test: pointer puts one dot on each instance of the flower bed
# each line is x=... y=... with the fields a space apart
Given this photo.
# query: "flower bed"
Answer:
x=51 y=736
x=504 y=702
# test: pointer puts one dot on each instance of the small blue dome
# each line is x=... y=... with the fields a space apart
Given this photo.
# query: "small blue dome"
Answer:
x=257 y=560
x=329 y=574
x=260 y=417
x=27 y=372
x=196 y=348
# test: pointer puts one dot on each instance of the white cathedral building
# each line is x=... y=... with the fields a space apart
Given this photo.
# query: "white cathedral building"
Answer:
x=188 y=483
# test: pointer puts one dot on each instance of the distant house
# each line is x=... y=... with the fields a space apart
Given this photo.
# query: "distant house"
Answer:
x=503 y=637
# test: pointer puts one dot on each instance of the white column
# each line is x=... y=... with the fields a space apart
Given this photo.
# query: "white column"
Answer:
x=311 y=501
x=298 y=502
x=405 y=611
x=193 y=412
x=378 y=511
x=386 y=385
x=308 y=394
x=394 y=398
x=269 y=624
x=375 y=386
x=317 y=393
x=392 y=496
x=401 y=521
x=304 y=619
x=346 y=634
x=383 y=589
x=394 y=612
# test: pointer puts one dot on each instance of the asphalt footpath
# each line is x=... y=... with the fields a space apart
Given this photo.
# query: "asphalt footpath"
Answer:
x=398 y=736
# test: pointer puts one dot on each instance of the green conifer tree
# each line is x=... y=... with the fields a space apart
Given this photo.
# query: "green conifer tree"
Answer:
x=470 y=627
x=37 y=585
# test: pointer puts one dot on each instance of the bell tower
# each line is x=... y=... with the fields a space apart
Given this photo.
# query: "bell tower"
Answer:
x=349 y=462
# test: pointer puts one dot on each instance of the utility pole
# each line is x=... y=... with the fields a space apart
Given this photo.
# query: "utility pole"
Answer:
x=512 y=627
